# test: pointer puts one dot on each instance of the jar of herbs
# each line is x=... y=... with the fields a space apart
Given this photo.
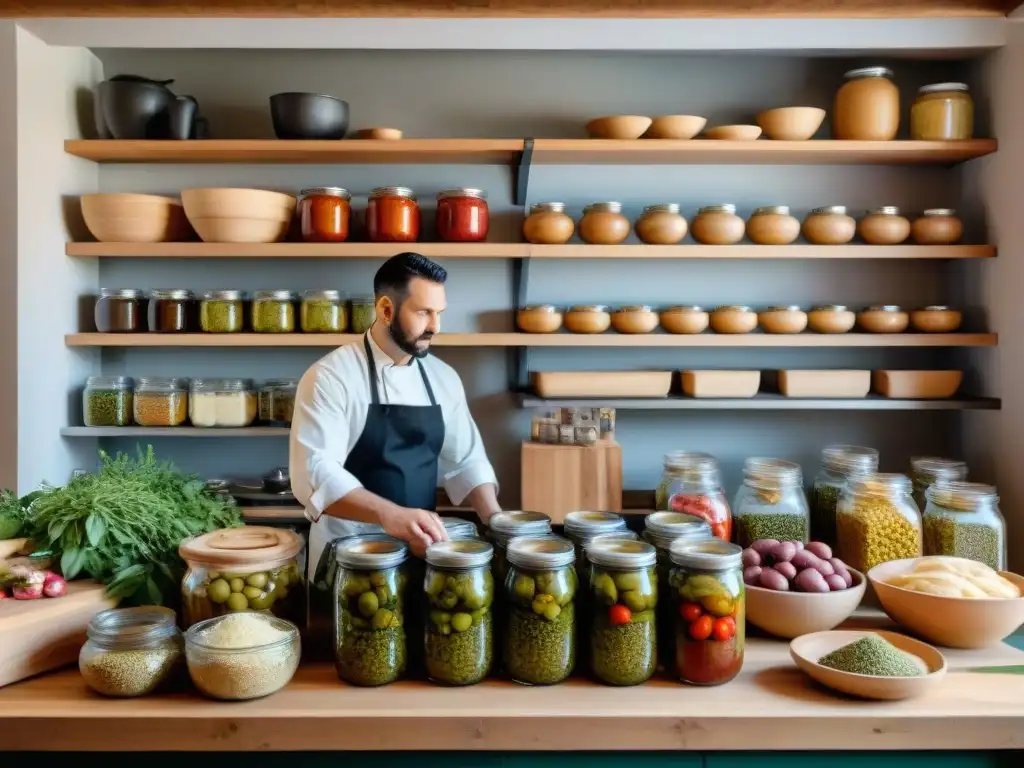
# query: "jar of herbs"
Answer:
x=107 y=401
x=117 y=310
x=925 y=470
x=276 y=402
x=771 y=503
x=963 y=520
x=273 y=312
x=160 y=402
x=691 y=484
x=323 y=312
x=131 y=651
x=222 y=312
x=877 y=521
x=171 y=311
x=364 y=313
x=838 y=464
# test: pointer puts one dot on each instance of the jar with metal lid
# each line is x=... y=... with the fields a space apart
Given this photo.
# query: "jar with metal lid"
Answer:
x=877 y=521
x=684 y=319
x=581 y=527
x=942 y=112
x=131 y=651
x=831 y=318
x=936 y=318
x=708 y=605
x=221 y=403
x=462 y=215
x=323 y=312
x=838 y=464
x=963 y=520
x=370 y=643
x=691 y=484
x=276 y=402
x=548 y=224
x=171 y=311
x=604 y=224
x=588 y=318
x=623 y=587
x=540 y=641
x=773 y=225
x=539 y=318
x=364 y=313
x=324 y=214
x=273 y=312
x=771 y=503
x=733 y=319
x=867 y=106
x=458 y=595
x=457 y=528
x=107 y=401
x=883 y=318
x=718 y=225
x=117 y=310
x=661 y=224
x=635 y=319
x=829 y=225
x=926 y=470
x=883 y=226
x=505 y=526
x=789 y=319
x=160 y=402
x=222 y=312
x=937 y=226
x=393 y=215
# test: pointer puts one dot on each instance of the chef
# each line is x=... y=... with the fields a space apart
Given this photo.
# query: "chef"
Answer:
x=378 y=422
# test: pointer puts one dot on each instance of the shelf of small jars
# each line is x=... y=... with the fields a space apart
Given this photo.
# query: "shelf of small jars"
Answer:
x=174 y=432
x=764 y=402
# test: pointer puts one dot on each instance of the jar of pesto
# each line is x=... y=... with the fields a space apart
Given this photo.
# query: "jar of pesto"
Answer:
x=364 y=312
x=273 y=312
x=323 y=312
x=222 y=312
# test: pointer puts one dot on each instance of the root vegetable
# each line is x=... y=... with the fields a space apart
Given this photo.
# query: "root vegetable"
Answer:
x=54 y=586
x=751 y=557
x=842 y=570
x=764 y=546
x=772 y=579
x=786 y=569
x=836 y=582
x=821 y=549
x=809 y=580
x=824 y=567
x=783 y=552
x=805 y=559
x=798 y=544
x=752 y=575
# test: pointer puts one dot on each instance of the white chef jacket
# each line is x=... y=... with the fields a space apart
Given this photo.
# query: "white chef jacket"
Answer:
x=331 y=404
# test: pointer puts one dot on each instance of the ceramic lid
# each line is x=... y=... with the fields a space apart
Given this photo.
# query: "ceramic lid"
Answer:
x=249 y=545
x=540 y=552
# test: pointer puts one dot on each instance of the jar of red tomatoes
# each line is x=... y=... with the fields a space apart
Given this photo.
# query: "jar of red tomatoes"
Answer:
x=709 y=599
x=462 y=215
x=690 y=484
x=324 y=214
x=393 y=215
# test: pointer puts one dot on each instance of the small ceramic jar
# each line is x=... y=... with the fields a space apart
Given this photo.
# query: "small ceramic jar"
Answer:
x=539 y=318
x=684 y=319
x=936 y=319
x=829 y=226
x=773 y=225
x=883 y=319
x=937 y=226
x=548 y=224
x=883 y=226
x=661 y=225
x=604 y=224
x=718 y=225
x=867 y=106
x=636 y=319
x=592 y=318
x=790 y=319
x=733 y=319
x=831 y=318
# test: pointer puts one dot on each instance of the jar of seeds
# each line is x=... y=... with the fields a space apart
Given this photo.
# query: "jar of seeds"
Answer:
x=925 y=470
x=323 y=312
x=160 y=402
x=838 y=464
x=222 y=312
x=273 y=312
x=963 y=520
x=131 y=651
x=107 y=401
x=771 y=503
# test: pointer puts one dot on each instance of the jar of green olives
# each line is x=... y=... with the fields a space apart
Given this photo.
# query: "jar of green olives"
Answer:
x=624 y=593
x=253 y=568
x=323 y=312
x=369 y=629
x=458 y=591
x=540 y=642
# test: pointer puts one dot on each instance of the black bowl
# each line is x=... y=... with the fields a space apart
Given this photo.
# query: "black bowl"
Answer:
x=308 y=116
x=134 y=110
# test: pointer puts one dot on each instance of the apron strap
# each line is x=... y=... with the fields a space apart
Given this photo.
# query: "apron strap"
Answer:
x=426 y=382
x=371 y=369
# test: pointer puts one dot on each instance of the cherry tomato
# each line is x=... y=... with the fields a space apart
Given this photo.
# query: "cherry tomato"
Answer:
x=619 y=614
x=701 y=628
x=690 y=611
x=724 y=628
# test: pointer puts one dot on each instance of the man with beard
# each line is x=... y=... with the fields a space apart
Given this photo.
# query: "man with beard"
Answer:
x=378 y=421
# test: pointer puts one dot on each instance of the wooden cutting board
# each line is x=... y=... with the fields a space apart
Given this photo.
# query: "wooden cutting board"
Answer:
x=557 y=479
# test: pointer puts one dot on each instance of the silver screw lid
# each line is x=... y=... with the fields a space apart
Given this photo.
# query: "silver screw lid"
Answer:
x=619 y=554
x=540 y=552
x=371 y=551
x=706 y=555
x=460 y=553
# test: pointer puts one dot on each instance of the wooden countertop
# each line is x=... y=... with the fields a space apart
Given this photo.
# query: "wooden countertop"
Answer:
x=771 y=706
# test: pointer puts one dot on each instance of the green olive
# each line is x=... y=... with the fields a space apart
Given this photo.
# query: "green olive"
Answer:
x=461 y=622
x=447 y=600
x=625 y=582
x=252 y=593
x=237 y=602
x=477 y=615
x=557 y=585
x=213 y=575
x=440 y=617
x=384 y=595
x=541 y=603
x=435 y=584
x=524 y=587
x=218 y=590
x=604 y=587
x=551 y=611
x=257 y=580
x=382 y=619
x=634 y=600
x=237 y=584
x=281 y=576
x=368 y=604
x=378 y=578
x=358 y=622
x=355 y=586
x=263 y=602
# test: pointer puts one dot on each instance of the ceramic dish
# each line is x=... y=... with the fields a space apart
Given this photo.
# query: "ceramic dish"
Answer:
x=791 y=614
x=618 y=127
x=733 y=132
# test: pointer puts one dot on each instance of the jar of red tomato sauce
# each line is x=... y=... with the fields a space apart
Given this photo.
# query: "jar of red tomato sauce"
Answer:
x=462 y=215
x=393 y=216
x=324 y=213
x=691 y=484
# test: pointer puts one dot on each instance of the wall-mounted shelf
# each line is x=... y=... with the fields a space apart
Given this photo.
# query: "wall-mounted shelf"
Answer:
x=174 y=432
x=764 y=402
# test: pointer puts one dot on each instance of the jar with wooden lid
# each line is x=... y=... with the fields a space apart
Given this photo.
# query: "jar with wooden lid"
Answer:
x=942 y=112
x=604 y=224
x=867 y=106
x=733 y=319
x=937 y=226
x=683 y=319
x=718 y=225
x=883 y=226
x=117 y=310
x=661 y=224
x=936 y=319
x=324 y=214
x=829 y=225
x=462 y=215
x=539 y=318
x=885 y=318
x=773 y=225
x=584 y=318
x=392 y=215
x=548 y=224
x=635 y=319
x=789 y=319
x=831 y=318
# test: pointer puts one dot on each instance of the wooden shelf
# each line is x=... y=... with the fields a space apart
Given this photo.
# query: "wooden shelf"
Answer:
x=273 y=514
x=764 y=402
x=174 y=432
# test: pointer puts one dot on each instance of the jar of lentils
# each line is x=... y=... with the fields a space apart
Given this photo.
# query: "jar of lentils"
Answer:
x=771 y=503
x=117 y=310
x=161 y=402
x=171 y=311
x=273 y=312
x=107 y=401
x=877 y=521
x=222 y=312
x=323 y=312
x=838 y=464
x=925 y=470
x=963 y=520
x=691 y=484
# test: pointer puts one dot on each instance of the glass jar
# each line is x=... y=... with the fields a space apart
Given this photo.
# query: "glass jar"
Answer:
x=788 y=319
x=690 y=484
x=253 y=568
x=117 y=310
x=458 y=594
x=369 y=615
x=771 y=503
x=733 y=319
x=462 y=215
x=604 y=224
x=505 y=526
x=708 y=602
x=963 y=520
x=324 y=214
x=457 y=528
x=661 y=224
x=581 y=527
x=838 y=464
x=829 y=225
x=131 y=651
x=624 y=595
x=160 y=402
x=393 y=216
x=222 y=312
x=540 y=642
x=883 y=226
x=877 y=521
x=273 y=312
x=107 y=401
x=323 y=312
x=937 y=226
x=883 y=318
x=221 y=403
x=171 y=311
x=276 y=402
x=867 y=106
x=925 y=470
x=640 y=318
x=718 y=225
x=588 y=318
x=364 y=313
x=942 y=112
x=539 y=318
x=684 y=319
x=773 y=225
x=548 y=224
x=831 y=318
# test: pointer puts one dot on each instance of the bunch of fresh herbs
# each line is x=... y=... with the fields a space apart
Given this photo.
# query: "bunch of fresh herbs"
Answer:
x=13 y=513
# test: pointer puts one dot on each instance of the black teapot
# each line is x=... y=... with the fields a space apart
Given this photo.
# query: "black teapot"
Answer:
x=135 y=107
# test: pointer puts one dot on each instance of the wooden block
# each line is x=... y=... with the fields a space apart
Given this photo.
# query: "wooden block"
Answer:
x=557 y=479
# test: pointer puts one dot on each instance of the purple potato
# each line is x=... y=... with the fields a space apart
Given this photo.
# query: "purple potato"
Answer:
x=824 y=567
x=752 y=574
x=772 y=579
x=751 y=557
x=836 y=582
x=783 y=552
x=842 y=570
x=809 y=580
x=821 y=549
x=764 y=546
x=786 y=569
x=797 y=543
x=805 y=559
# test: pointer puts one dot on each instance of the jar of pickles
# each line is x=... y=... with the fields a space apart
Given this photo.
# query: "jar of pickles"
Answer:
x=462 y=215
x=222 y=312
x=691 y=484
x=877 y=521
x=925 y=470
x=117 y=310
x=457 y=528
x=771 y=503
x=963 y=520
x=273 y=312
x=708 y=601
x=838 y=464
x=369 y=595
x=276 y=402
x=505 y=526
x=393 y=215
x=131 y=651
x=253 y=568
x=160 y=402
x=364 y=313
x=581 y=527
x=324 y=214
x=323 y=312
x=107 y=401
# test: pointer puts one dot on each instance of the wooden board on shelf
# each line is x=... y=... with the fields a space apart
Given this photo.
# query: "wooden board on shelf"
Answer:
x=258 y=515
x=765 y=402
x=174 y=432
x=558 y=479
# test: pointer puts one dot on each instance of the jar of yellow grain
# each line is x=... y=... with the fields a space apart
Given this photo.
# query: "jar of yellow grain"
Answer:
x=877 y=521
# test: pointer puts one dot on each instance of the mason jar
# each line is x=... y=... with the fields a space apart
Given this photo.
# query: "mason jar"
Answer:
x=323 y=312
x=171 y=311
x=771 y=503
x=273 y=312
x=691 y=484
x=276 y=402
x=877 y=521
x=581 y=527
x=117 y=310
x=107 y=401
x=925 y=470
x=222 y=312
x=963 y=520
x=160 y=402
x=457 y=528
x=504 y=526
x=131 y=651
x=838 y=464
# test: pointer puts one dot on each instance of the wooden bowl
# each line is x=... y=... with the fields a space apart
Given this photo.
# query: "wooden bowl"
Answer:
x=791 y=123
x=808 y=649
x=916 y=385
x=733 y=133
x=380 y=133
x=235 y=230
x=675 y=127
x=116 y=217
x=791 y=614
x=618 y=127
x=223 y=215
x=955 y=622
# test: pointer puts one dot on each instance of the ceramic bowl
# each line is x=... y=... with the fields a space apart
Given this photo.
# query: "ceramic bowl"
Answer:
x=308 y=116
x=733 y=133
x=675 y=127
x=117 y=217
x=223 y=215
x=791 y=614
x=618 y=127
x=791 y=123
x=917 y=385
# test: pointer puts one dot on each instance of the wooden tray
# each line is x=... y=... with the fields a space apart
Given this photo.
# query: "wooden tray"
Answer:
x=824 y=383
x=917 y=385
x=602 y=383
x=721 y=383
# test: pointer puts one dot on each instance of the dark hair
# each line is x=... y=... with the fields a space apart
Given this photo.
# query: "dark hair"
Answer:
x=395 y=273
